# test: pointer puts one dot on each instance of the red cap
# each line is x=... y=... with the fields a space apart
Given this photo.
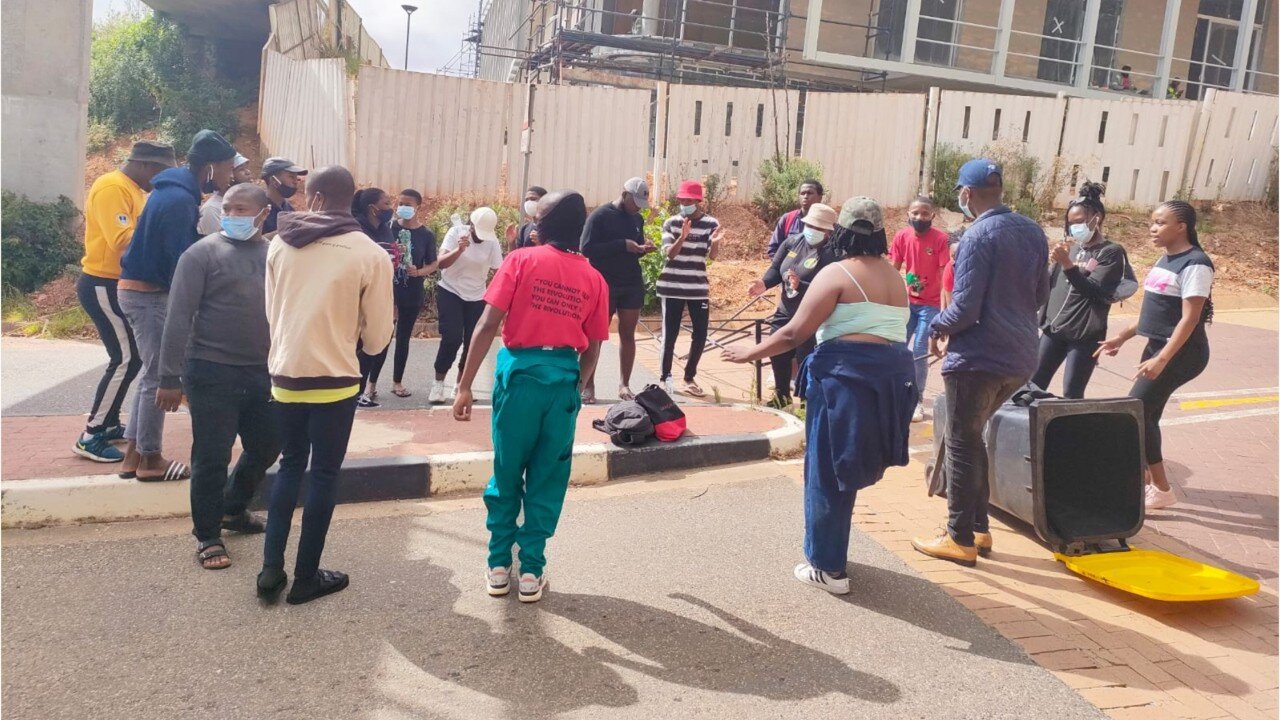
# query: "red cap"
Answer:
x=689 y=190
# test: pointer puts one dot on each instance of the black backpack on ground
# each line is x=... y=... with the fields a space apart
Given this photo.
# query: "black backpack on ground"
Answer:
x=627 y=424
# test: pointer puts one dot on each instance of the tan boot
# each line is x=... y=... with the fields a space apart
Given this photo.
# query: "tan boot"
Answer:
x=944 y=548
x=129 y=468
x=982 y=541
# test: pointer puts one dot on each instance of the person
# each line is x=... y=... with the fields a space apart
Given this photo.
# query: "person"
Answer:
x=860 y=385
x=111 y=211
x=988 y=335
x=798 y=261
x=1177 y=304
x=553 y=310
x=809 y=192
x=613 y=240
x=527 y=235
x=949 y=272
x=689 y=240
x=467 y=255
x=1174 y=91
x=326 y=287
x=281 y=177
x=371 y=207
x=413 y=256
x=211 y=211
x=215 y=347
x=1082 y=285
x=166 y=228
x=921 y=249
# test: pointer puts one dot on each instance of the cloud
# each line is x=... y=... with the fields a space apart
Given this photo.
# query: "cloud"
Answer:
x=435 y=35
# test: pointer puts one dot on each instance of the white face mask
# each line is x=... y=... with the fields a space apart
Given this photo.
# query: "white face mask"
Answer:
x=1081 y=232
x=530 y=208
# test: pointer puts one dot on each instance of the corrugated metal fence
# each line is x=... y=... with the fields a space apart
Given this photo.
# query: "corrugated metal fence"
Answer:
x=483 y=139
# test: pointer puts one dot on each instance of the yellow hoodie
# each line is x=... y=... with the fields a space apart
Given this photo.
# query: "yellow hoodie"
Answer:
x=110 y=213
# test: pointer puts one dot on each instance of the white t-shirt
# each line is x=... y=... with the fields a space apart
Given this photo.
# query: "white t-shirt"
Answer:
x=468 y=276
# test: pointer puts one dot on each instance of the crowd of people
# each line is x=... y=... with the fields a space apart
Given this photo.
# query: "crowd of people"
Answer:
x=271 y=316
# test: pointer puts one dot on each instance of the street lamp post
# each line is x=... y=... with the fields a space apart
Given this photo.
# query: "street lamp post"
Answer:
x=408 y=18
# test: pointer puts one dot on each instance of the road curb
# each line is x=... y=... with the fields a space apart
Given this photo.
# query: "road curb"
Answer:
x=105 y=498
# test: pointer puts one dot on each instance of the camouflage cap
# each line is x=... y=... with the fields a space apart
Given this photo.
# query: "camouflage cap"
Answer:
x=858 y=213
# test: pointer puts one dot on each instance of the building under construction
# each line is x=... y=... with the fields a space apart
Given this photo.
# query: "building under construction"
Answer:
x=1088 y=48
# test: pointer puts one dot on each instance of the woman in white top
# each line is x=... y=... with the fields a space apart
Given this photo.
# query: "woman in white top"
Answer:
x=467 y=256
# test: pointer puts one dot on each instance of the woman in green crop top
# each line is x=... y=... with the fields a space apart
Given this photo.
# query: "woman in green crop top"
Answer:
x=860 y=388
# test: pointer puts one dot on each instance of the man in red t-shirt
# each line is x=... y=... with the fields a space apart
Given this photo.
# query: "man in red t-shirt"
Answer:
x=922 y=250
x=556 y=308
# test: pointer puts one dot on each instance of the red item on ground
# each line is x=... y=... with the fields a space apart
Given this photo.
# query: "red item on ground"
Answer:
x=926 y=256
x=669 y=422
x=552 y=298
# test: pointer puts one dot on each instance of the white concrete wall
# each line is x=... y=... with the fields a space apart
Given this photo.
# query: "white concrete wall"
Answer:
x=45 y=85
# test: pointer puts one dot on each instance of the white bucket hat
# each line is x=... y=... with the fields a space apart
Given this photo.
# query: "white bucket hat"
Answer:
x=484 y=221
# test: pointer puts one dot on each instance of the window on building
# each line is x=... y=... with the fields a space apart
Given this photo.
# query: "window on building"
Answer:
x=936 y=34
x=1063 y=27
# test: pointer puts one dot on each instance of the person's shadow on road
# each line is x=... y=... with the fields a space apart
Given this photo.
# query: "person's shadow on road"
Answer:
x=684 y=651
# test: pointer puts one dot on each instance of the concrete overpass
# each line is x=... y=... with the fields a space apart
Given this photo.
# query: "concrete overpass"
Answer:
x=236 y=20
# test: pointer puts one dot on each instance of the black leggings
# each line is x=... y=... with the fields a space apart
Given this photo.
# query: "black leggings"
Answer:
x=1190 y=361
x=457 y=319
x=781 y=364
x=370 y=365
x=699 y=317
x=1078 y=354
x=406 y=318
x=98 y=298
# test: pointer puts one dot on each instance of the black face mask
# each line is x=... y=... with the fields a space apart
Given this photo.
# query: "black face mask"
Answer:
x=286 y=191
x=921 y=226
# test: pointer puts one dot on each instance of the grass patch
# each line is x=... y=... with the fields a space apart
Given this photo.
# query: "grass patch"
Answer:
x=17 y=307
x=73 y=322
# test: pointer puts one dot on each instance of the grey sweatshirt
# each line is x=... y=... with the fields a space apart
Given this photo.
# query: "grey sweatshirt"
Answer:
x=217 y=307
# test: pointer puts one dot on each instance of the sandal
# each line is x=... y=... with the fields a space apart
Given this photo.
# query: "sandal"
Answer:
x=210 y=552
x=692 y=390
x=588 y=397
x=129 y=468
x=624 y=393
x=246 y=523
x=401 y=392
x=175 y=471
x=326 y=582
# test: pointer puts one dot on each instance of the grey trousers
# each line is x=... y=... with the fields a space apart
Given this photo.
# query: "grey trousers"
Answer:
x=146 y=312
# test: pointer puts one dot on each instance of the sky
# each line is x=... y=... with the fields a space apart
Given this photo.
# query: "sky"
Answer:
x=435 y=35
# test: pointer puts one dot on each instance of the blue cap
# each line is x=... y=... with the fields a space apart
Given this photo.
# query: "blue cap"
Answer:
x=975 y=173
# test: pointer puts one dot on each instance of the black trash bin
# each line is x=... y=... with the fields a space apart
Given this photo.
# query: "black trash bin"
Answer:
x=1072 y=469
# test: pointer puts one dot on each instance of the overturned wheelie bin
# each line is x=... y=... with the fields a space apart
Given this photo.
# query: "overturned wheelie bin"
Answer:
x=1073 y=470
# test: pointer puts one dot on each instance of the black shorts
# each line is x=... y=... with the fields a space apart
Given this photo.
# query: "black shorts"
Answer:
x=629 y=297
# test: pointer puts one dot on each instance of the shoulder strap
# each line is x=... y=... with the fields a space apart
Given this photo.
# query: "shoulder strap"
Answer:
x=790 y=220
x=855 y=281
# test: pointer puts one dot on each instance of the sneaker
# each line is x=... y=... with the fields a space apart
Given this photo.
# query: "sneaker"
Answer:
x=367 y=402
x=1157 y=499
x=97 y=449
x=115 y=433
x=531 y=587
x=810 y=575
x=499 y=581
x=669 y=385
x=435 y=395
x=918 y=415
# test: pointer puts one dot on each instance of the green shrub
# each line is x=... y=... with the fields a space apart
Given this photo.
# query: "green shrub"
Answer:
x=440 y=221
x=651 y=264
x=714 y=190
x=39 y=240
x=99 y=137
x=780 y=179
x=1273 y=190
x=1027 y=189
x=946 y=162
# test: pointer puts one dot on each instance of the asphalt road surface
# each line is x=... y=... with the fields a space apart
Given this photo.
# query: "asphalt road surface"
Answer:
x=671 y=599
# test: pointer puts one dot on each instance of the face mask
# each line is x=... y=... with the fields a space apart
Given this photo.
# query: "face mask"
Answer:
x=687 y=210
x=284 y=190
x=406 y=212
x=239 y=228
x=921 y=226
x=384 y=216
x=1081 y=232
x=530 y=208
x=964 y=208
x=814 y=236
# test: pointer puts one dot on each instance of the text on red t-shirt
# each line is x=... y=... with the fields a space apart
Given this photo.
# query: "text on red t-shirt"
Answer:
x=552 y=298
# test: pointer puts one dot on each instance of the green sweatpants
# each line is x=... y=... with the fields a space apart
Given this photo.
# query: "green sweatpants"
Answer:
x=535 y=408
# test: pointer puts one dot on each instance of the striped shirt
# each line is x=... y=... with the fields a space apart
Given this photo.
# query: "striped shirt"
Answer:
x=684 y=277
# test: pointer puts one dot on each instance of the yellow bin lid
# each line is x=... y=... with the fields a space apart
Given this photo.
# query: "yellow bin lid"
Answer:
x=1160 y=576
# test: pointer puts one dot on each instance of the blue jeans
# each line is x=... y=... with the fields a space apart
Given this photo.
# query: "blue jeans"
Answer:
x=828 y=515
x=918 y=335
x=319 y=433
x=146 y=312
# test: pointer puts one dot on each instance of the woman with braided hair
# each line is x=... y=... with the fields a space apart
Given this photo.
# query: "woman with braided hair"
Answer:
x=1176 y=307
x=1086 y=271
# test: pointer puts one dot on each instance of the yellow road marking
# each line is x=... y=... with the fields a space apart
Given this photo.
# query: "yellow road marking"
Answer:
x=1227 y=402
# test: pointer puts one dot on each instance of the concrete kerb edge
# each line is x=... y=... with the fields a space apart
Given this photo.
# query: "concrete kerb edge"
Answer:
x=104 y=498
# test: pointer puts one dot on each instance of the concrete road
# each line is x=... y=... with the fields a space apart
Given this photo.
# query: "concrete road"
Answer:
x=671 y=599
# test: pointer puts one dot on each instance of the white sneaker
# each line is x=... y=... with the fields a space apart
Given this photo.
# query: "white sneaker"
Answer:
x=669 y=385
x=531 y=587
x=499 y=581
x=810 y=575
x=435 y=395
x=918 y=415
x=1157 y=499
